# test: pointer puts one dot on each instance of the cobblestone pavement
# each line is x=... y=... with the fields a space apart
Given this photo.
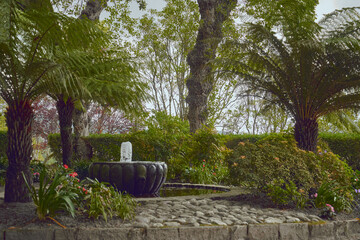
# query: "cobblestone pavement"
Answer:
x=196 y=212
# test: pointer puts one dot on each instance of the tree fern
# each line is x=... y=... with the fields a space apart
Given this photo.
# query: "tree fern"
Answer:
x=309 y=77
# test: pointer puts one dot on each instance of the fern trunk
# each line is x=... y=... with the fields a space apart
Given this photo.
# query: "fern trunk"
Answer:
x=19 y=120
x=65 y=110
x=306 y=134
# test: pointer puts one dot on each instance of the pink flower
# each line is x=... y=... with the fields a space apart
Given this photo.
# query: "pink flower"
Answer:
x=36 y=174
x=331 y=207
x=74 y=174
x=66 y=166
x=203 y=165
x=315 y=195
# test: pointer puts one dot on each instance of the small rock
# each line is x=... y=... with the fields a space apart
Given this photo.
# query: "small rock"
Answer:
x=180 y=220
x=140 y=225
x=273 y=220
x=195 y=224
x=171 y=224
x=210 y=213
x=199 y=214
x=218 y=222
x=292 y=220
x=157 y=225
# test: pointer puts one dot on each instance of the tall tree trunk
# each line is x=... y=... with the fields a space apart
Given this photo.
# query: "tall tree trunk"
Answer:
x=19 y=120
x=306 y=134
x=65 y=111
x=200 y=83
x=93 y=9
x=81 y=129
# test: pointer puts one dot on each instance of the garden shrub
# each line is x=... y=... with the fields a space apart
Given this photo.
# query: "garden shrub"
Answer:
x=60 y=189
x=234 y=139
x=201 y=160
x=345 y=145
x=276 y=161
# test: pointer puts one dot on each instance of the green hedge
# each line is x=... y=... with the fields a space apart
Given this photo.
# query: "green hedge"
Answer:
x=345 y=145
x=157 y=146
x=146 y=146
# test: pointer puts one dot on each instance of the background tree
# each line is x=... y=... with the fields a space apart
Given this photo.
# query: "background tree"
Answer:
x=166 y=38
x=200 y=83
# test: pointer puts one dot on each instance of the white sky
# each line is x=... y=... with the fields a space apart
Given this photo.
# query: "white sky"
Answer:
x=324 y=7
x=327 y=6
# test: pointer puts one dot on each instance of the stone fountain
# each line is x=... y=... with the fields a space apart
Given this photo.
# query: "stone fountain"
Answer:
x=138 y=178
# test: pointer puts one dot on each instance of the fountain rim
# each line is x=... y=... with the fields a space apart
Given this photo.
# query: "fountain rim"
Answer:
x=132 y=162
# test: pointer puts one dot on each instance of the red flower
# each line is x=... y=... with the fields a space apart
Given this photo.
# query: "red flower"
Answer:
x=74 y=174
x=203 y=165
x=66 y=166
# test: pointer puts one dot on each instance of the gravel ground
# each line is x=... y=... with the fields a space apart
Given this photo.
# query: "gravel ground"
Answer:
x=23 y=215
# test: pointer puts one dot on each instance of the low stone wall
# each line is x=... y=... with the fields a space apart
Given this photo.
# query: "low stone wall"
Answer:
x=285 y=231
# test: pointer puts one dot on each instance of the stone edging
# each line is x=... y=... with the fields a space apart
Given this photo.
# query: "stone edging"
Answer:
x=200 y=186
x=349 y=229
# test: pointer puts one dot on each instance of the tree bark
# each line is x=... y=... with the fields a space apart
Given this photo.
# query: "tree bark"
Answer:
x=306 y=134
x=19 y=120
x=81 y=129
x=93 y=9
x=200 y=83
x=65 y=111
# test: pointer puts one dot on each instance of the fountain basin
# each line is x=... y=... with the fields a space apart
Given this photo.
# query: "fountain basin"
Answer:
x=138 y=178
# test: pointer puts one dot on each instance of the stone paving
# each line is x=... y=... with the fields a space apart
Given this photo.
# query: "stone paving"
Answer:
x=207 y=212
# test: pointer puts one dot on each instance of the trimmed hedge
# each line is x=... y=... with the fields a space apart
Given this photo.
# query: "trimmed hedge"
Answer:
x=156 y=146
x=145 y=146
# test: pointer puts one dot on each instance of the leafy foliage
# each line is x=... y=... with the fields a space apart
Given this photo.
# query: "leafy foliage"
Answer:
x=275 y=164
x=103 y=200
x=286 y=193
x=335 y=194
x=306 y=73
x=56 y=192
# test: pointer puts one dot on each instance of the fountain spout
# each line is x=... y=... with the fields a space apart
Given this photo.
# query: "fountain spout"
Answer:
x=126 y=152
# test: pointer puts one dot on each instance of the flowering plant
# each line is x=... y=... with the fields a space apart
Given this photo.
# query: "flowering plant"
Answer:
x=57 y=191
x=103 y=200
x=328 y=212
x=334 y=194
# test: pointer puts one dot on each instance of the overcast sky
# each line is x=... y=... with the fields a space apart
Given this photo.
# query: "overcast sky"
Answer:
x=324 y=7
x=327 y=6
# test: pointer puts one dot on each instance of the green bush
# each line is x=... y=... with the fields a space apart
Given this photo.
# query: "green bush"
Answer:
x=276 y=159
x=201 y=159
x=103 y=200
x=345 y=145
